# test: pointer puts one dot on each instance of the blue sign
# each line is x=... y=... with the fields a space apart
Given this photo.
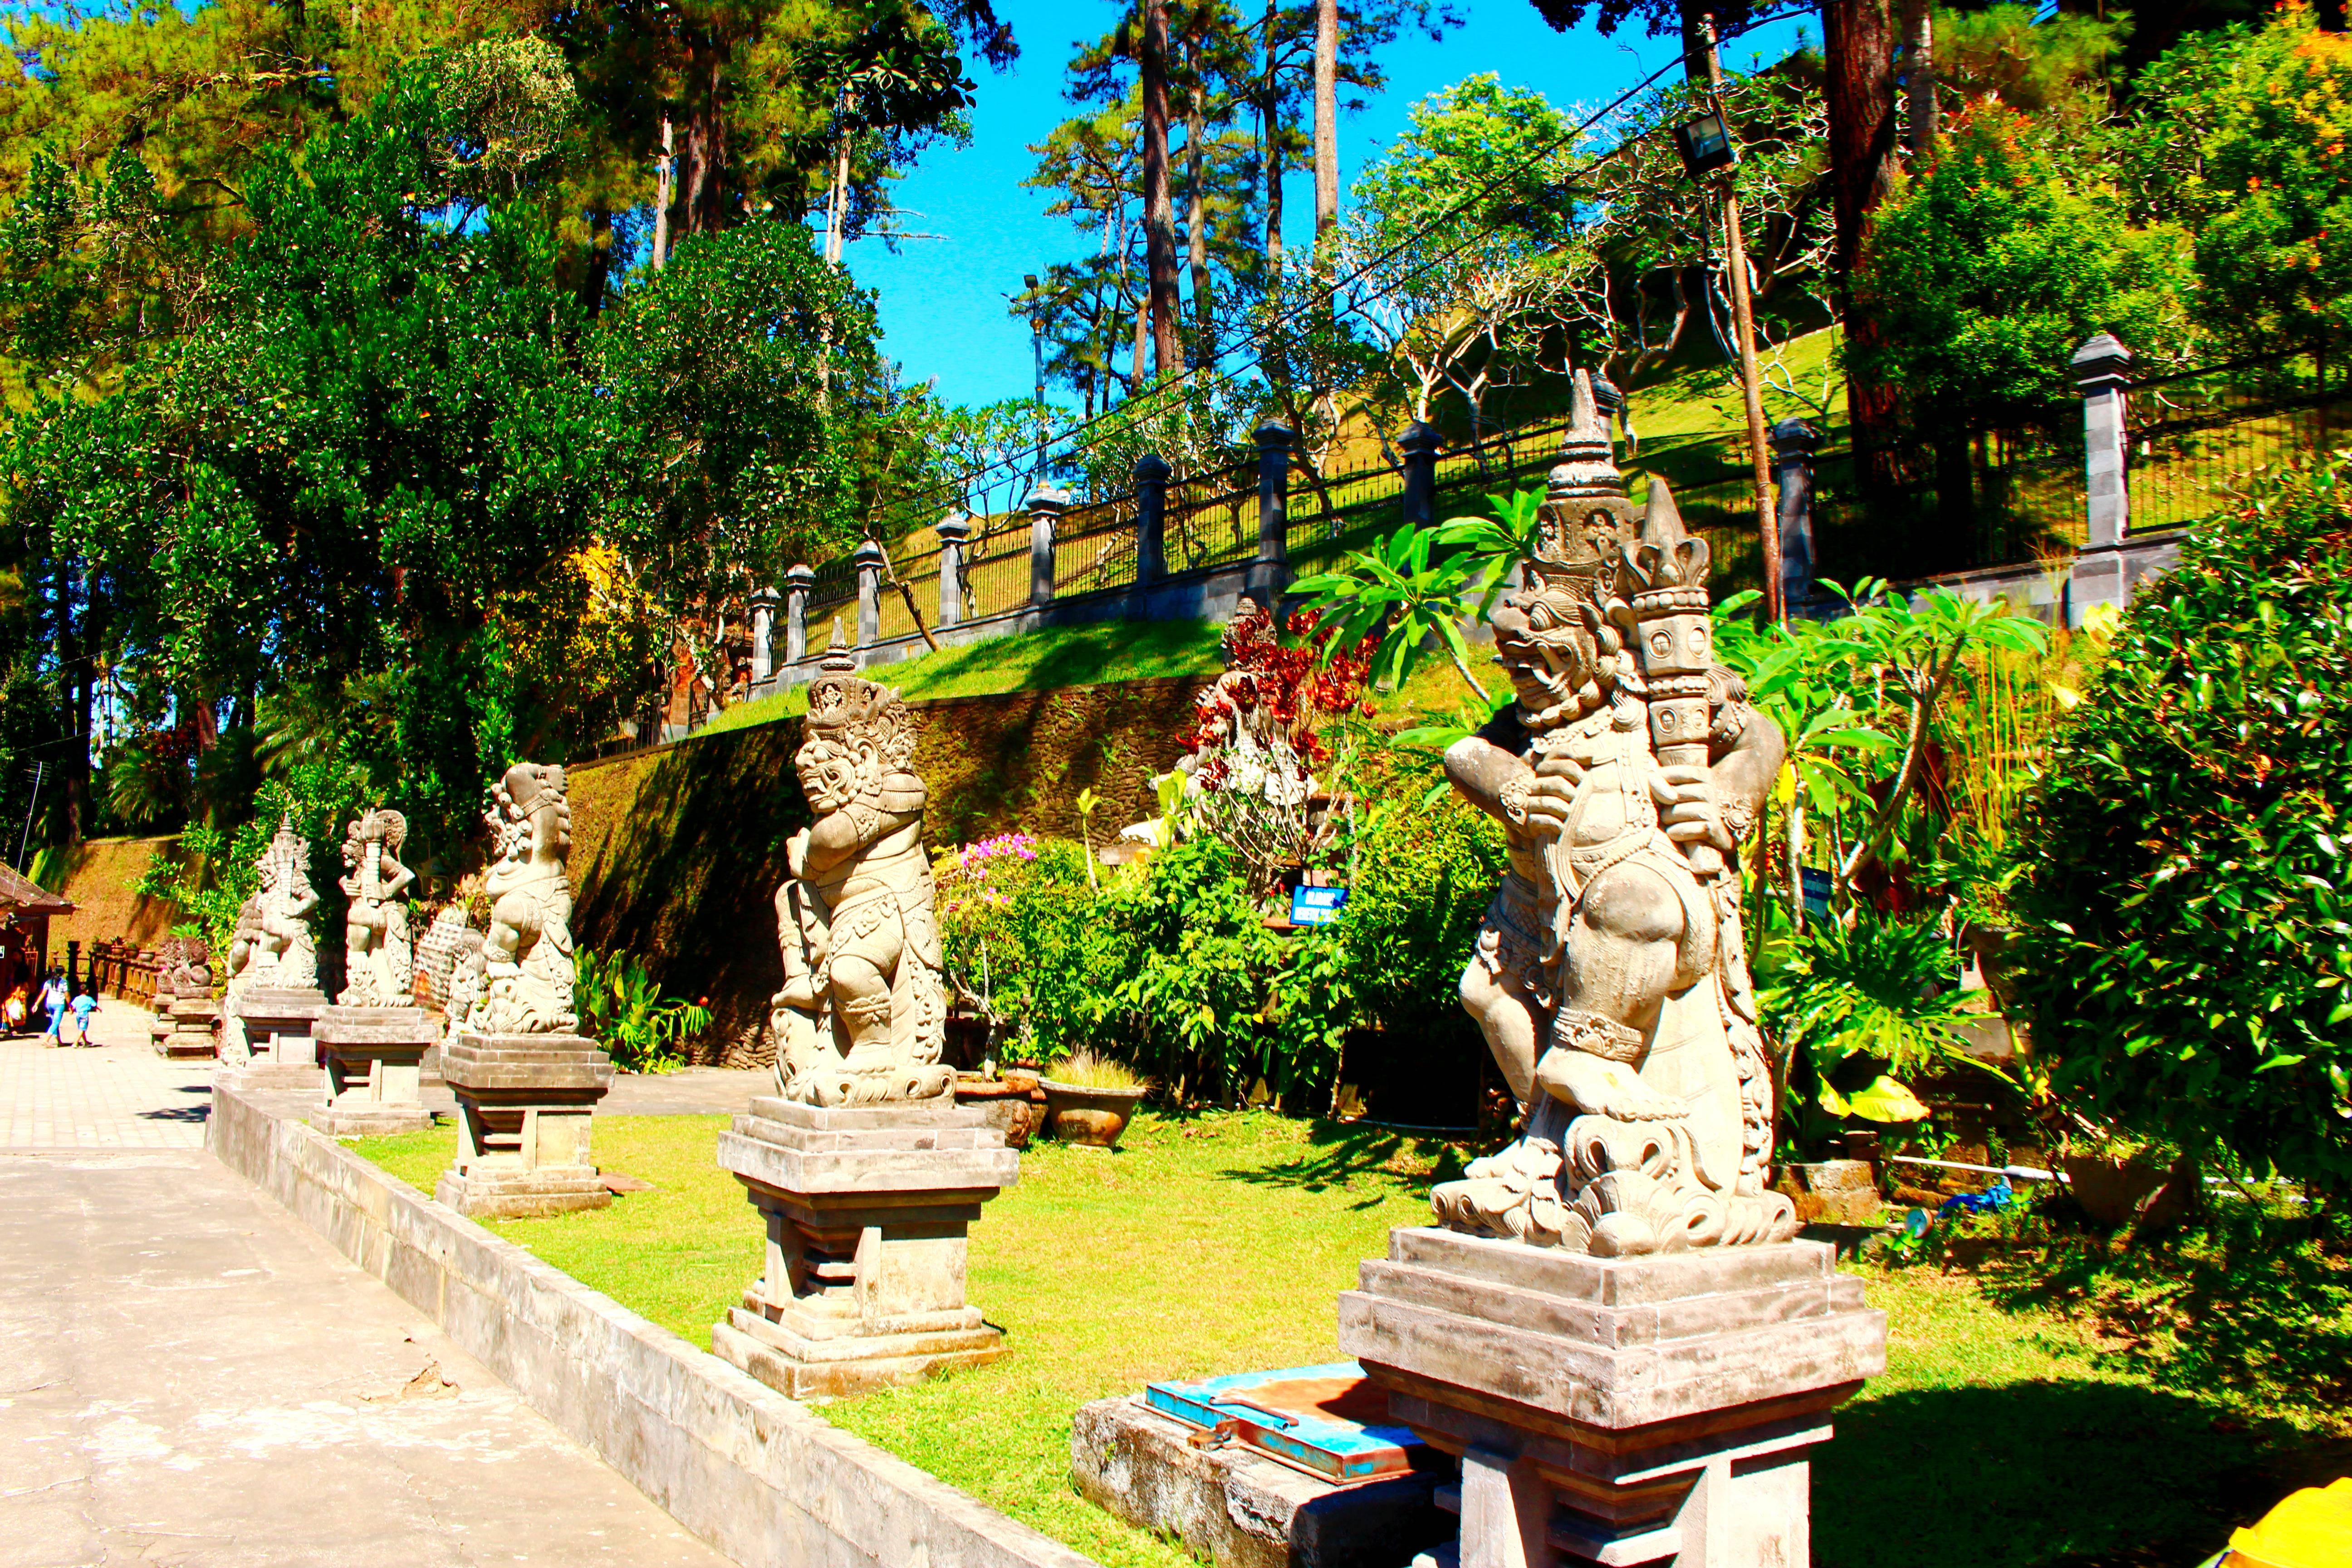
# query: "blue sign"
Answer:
x=1316 y=906
x=1817 y=886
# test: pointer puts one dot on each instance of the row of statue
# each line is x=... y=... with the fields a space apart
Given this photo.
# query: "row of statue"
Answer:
x=515 y=978
x=1609 y=979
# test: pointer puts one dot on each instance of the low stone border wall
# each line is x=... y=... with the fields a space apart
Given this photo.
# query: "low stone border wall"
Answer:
x=756 y=1474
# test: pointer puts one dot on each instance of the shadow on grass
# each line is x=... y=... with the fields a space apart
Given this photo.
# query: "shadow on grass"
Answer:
x=2049 y=1475
x=1341 y=1151
x=2254 y=1312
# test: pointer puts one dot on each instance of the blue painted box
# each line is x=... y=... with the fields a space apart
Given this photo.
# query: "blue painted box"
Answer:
x=1331 y=1421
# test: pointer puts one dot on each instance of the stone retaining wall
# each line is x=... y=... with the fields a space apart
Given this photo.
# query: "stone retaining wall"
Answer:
x=756 y=1474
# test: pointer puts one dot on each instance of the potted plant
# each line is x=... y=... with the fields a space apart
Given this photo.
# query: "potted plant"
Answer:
x=2110 y=1176
x=1089 y=1100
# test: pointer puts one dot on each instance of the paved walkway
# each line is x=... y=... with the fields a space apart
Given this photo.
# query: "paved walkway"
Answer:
x=189 y=1377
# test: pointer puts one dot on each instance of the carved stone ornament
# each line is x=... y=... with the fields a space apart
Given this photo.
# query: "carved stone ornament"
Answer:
x=863 y=1014
x=1610 y=977
x=273 y=945
x=379 y=968
x=523 y=983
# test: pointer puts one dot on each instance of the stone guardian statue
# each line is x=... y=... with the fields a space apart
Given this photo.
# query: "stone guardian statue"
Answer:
x=379 y=968
x=527 y=964
x=1610 y=979
x=862 y=1016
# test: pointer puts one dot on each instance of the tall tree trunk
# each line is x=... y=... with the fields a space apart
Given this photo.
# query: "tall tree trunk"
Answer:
x=1159 y=212
x=597 y=276
x=1196 y=223
x=1919 y=76
x=706 y=147
x=664 y=194
x=1858 y=45
x=1269 y=119
x=1327 y=124
x=836 y=198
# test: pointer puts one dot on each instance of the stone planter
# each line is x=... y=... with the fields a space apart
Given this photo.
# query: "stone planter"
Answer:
x=1089 y=1118
x=2109 y=1189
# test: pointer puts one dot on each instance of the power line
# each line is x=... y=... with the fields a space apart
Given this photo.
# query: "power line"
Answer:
x=960 y=484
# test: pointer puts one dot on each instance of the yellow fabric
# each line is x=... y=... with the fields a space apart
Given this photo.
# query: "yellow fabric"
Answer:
x=2310 y=1528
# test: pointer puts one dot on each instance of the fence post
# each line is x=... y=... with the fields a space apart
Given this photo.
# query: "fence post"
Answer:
x=1794 y=442
x=1045 y=505
x=1418 y=445
x=868 y=561
x=798 y=580
x=954 y=530
x=1270 y=573
x=2101 y=367
x=73 y=968
x=1150 y=518
x=763 y=635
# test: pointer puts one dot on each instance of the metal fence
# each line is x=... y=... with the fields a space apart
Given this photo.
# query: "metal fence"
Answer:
x=2199 y=436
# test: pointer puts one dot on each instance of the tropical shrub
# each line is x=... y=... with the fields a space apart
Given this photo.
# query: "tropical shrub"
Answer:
x=622 y=1009
x=2184 y=902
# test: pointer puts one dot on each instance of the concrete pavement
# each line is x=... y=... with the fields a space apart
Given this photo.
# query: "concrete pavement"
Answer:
x=189 y=1377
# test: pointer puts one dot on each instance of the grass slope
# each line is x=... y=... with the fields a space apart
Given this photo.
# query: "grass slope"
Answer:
x=2003 y=1435
x=1062 y=656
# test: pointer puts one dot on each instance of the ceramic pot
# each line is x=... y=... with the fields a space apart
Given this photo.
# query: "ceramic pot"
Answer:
x=1089 y=1118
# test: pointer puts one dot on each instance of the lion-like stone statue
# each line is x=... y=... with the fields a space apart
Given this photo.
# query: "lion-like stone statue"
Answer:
x=862 y=1016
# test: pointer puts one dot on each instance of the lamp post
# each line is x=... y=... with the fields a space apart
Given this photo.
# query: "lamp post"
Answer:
x=1037 y=362
x=1706 y=147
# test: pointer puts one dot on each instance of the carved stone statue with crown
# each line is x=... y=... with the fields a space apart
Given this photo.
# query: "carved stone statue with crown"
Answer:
x=865 y=1172
x=273 y=964
x=1613 y=1310
x=374 y=1040
x=863 y=1012
x=526 y=1081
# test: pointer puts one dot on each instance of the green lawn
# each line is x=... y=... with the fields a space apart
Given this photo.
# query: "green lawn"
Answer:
x=2009 y=1429
x=1061 y=655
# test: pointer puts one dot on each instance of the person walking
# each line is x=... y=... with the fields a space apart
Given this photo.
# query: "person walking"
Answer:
x=85 y=1008
x=53 y=1003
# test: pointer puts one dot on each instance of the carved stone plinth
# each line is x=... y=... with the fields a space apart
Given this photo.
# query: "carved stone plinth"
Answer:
x=370 y=1055
x=524 y=1106
x=275 y=1023
x=867 y=1210
x=1617 y=1410
x=184 y=1027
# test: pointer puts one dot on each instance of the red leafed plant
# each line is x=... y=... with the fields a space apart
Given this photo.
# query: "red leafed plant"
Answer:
x=1257 y=741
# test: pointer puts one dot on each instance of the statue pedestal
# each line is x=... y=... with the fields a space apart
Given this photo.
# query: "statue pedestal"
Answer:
x=184 y=1027
x=1617 y=1410
x=524 y=1106
x=277 y=1021
x=868 y=1209
x=372 y=1055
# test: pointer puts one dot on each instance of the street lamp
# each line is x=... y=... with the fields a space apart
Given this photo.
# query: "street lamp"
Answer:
x=1707 y=146
x=1037 y=360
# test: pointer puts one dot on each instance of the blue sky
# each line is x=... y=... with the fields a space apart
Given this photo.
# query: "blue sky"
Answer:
x=943 y=300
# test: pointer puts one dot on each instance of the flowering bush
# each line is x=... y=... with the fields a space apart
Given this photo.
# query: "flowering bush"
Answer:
x=1256 y=743
x=1010 y=908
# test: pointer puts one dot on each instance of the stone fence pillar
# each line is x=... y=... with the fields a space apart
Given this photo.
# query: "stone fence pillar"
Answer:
x=763 y=634
x=1418 y=444
x=1045 y=507
x=1270 y=573
x=955 y=532
x=1794 y=442
x=2101 y=369
x=868 y=560
x=798 y=580
x=1150 y=518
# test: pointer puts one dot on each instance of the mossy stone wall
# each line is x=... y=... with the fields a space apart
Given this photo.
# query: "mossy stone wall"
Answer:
x=677 y=853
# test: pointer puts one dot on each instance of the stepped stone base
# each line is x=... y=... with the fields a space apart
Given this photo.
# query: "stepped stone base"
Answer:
x=867 y=1212
x=1617 y=1410
x=274 y=1023
x=183 y=1028
x=370 y=1055
x=526 y=1105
